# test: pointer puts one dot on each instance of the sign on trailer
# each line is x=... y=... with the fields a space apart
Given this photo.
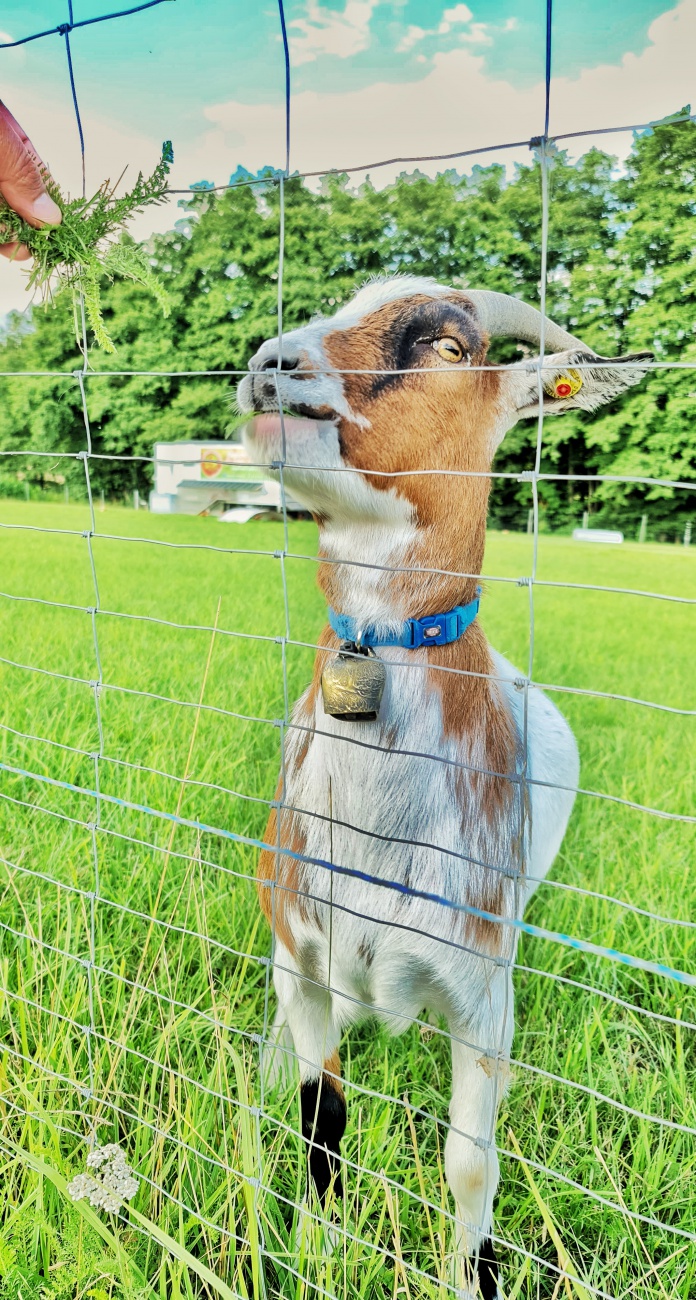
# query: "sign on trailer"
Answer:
x=196 y=477
x=597 y=535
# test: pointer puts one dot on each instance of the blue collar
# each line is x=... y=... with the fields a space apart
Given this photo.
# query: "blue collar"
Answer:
x=435 y=629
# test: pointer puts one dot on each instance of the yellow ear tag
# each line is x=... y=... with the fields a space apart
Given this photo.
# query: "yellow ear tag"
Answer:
x=567 y=385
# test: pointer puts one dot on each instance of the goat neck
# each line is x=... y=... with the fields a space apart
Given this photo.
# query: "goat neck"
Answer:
x=420 y=554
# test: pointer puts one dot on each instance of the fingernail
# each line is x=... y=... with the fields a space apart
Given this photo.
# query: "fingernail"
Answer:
x=45 y=210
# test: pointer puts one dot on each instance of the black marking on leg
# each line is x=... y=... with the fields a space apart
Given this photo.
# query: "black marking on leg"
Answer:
x=323 y=1126
x=487 y=1270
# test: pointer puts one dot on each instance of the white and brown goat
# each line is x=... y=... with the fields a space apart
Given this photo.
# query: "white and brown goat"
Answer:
x=462 y=788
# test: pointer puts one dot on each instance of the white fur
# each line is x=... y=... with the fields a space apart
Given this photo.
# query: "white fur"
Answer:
x=379 y=292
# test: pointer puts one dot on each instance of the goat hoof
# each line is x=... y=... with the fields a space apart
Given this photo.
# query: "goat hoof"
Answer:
x=320 y=1236
x=485 y=1270
x=476 y=1277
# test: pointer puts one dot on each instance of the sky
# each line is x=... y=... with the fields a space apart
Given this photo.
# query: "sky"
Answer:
x=370 y=80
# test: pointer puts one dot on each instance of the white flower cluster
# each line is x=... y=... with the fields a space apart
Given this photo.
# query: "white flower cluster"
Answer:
x=109 y=1180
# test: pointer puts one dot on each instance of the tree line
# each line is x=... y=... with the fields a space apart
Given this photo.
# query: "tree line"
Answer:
x=621 y=275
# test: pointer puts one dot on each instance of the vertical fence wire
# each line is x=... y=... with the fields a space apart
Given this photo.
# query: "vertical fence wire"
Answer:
x=96 y=685
x=265 y=1042
x=264 y=1057
x=502 y=1055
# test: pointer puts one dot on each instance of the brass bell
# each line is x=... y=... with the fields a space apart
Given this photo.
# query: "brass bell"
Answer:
x=352 y=684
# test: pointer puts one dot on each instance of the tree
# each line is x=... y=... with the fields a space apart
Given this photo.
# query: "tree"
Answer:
x=620 y=274
x=653 y=433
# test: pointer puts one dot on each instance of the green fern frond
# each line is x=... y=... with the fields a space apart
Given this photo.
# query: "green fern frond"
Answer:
x=81 y=249
x=90 y=289
x=131 y=262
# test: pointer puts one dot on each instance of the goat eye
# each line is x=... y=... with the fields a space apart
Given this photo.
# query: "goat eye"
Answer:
x=448 y=349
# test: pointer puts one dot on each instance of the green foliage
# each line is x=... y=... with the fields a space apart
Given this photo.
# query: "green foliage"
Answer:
x=621 y=275
x=79 y=253
x=653 y=432
x=55 y=1256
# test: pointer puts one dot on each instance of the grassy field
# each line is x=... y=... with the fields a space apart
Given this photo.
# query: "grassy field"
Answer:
x=120 y=1016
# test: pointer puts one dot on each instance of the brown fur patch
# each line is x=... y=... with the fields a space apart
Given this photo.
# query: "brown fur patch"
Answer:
x=366 y=952
x=473 y=713
x=282 y=878
x=303 y=716
x=288 y=874
x=332 y=1073
x=439 y=422
x=328 y=644
x=471 y=708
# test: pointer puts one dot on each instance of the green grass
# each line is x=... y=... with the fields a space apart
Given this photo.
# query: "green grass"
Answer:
x=172 y=1070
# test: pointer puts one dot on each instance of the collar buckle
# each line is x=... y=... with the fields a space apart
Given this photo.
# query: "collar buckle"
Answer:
x=436 y=629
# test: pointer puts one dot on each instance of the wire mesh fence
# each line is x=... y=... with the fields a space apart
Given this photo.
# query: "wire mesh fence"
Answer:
x=149 y=686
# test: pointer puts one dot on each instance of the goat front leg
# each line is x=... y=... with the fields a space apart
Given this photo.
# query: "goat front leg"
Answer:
x=479 y=1077
x=306 y=1007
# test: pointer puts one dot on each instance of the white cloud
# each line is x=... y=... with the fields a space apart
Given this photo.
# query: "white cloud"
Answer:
x=454 y=17
x=15 y=56
x=458 y=107
x=324 y=31
x=478 y=34
x=459 y=14
x=455 y=107
x=411 y=37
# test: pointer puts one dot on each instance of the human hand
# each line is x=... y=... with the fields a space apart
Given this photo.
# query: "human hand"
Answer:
x=22 y=182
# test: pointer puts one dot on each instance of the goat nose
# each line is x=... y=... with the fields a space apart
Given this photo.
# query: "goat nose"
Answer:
x=267 y=357
x=288 y=361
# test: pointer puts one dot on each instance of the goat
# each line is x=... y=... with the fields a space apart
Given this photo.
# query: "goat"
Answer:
x=443 y=814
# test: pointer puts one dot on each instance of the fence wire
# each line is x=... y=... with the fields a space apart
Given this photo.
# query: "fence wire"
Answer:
x=98 y=1045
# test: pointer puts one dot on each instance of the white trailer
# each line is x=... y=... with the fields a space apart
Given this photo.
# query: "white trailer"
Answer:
x=193 y=478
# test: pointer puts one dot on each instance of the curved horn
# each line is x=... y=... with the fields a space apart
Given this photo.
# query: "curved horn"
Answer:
x=500 y=314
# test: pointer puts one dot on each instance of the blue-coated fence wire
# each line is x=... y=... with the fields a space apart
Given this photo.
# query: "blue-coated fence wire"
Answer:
x=63 y=28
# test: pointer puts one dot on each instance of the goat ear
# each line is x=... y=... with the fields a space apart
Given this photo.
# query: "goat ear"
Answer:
x=579 y=381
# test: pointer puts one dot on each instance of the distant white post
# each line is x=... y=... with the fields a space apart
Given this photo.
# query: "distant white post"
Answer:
x=136 y=499
x=643 y=528
x=687 y=533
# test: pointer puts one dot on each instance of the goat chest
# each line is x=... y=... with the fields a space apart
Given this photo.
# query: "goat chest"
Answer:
x=402 y=815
